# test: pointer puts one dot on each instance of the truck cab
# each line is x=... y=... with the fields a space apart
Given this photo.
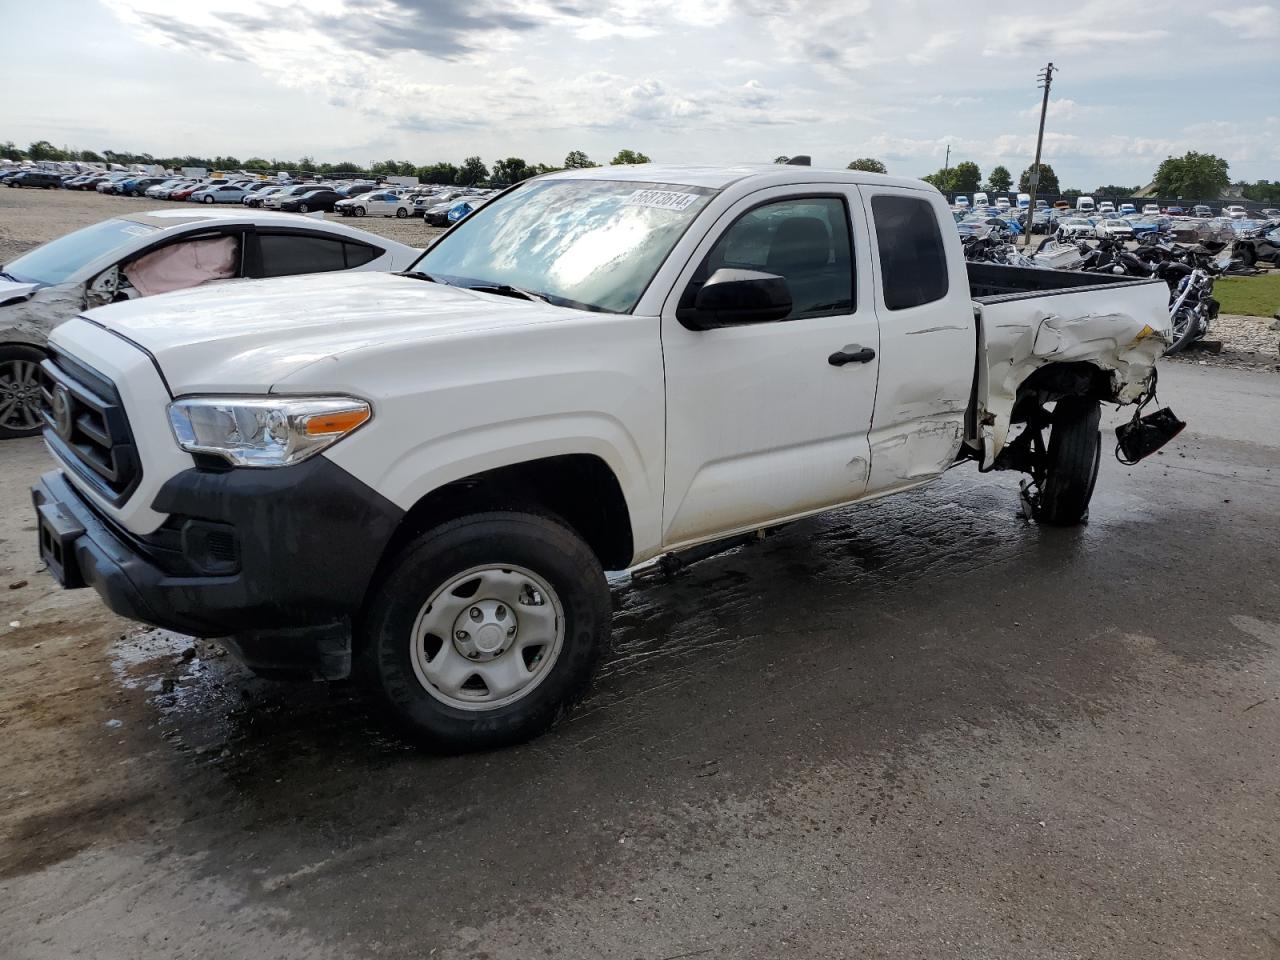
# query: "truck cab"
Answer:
x=600 y=369
x=1085 y=205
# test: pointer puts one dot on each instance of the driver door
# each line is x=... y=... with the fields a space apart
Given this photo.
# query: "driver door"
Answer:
x=762 y=424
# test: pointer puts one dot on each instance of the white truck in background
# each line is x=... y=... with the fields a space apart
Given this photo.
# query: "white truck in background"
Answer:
x=428 y=473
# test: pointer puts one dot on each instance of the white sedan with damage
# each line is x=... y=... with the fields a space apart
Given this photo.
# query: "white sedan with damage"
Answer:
x=143 y=254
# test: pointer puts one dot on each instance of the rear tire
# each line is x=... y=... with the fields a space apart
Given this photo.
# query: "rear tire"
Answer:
x=546 y=589
x=1074 y=455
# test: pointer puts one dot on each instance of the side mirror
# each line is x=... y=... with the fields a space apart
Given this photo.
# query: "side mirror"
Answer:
x=102 y=288
x=733 y=297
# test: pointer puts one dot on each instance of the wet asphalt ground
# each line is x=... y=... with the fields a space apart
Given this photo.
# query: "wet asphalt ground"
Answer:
x=917 y=728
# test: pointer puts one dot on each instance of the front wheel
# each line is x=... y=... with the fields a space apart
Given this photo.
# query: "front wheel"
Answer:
x=302 y=208
x=208 y=199
x=1071 y=463
x=486 y=629
x=359 y=211
x=401 y=213
x=19 y=391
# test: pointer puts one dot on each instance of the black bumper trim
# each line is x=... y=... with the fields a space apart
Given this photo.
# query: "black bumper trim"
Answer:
x=311 y=537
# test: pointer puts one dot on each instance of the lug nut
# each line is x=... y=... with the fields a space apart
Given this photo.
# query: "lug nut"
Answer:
x=460 y=635
x=476 y=614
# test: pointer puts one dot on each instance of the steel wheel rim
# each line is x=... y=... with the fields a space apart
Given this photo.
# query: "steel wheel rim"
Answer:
x=488 y=637
x=19 y=395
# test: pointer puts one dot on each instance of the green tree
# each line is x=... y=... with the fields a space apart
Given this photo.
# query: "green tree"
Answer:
x=257 y=163
x=1000 y=180
x=512 y=170
x=438 y=173
x=1264 y=191
x=226 y=163
x=1048 y=181
x=9 y=151
x=44 y=150
x=88 y=156
x=629 y=156
x=1111 y=190
x=966 y=177
x=472 y=172
x=1193 y=176
x=782 y=159
x=577 y=160
x=869 y=164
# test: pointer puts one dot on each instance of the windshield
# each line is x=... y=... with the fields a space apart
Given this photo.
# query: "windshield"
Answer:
x=593 y=244
x=57 y=260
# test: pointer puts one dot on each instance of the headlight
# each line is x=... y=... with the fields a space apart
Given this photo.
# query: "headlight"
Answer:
x=264 y=431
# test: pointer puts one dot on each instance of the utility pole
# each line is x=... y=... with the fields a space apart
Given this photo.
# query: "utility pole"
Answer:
x=1046 y=81
x=946 y=165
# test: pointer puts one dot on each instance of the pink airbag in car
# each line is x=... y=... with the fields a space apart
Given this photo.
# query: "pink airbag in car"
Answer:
x=183 y=265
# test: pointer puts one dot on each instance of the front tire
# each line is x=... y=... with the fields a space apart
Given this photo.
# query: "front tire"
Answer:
x=208 y=199
x=359 y=211
x=1074 y=455
x=483 y=631
x=19 y=391
x=401 y=213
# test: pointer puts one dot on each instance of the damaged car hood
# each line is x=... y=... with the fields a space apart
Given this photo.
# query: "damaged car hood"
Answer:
x=248 y=335
x=14 y=291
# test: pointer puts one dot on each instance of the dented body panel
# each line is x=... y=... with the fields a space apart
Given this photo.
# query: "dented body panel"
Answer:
x=1121 y=329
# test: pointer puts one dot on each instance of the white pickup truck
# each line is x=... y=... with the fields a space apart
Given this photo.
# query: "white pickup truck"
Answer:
x=426 y=474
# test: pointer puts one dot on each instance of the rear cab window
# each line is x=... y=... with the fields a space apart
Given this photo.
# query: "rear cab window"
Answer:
x=913 y=260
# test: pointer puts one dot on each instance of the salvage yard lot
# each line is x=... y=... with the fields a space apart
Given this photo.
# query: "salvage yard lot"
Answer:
x=917 y=728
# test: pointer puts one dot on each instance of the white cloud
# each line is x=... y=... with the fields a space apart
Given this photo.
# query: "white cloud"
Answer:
x=695 y=80
x=1260 y=22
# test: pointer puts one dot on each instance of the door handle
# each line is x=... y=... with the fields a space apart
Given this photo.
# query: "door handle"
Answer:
x=853 y=353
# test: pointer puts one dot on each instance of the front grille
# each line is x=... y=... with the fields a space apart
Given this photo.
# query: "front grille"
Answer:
x=85 y=424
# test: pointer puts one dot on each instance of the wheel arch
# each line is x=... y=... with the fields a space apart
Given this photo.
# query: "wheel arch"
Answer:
x=580 y=489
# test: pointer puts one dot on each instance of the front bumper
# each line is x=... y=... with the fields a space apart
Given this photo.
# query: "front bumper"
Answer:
x=285 y=553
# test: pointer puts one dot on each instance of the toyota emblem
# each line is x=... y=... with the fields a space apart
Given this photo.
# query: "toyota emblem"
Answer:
x=62 y=411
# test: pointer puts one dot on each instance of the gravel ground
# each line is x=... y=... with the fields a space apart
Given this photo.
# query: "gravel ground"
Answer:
x=1247 y=342
x=920 y=729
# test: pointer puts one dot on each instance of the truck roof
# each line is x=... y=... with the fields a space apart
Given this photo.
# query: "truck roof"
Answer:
x=719 y=177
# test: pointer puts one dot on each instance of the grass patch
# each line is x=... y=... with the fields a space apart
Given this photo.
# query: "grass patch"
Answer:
x=1251 y=296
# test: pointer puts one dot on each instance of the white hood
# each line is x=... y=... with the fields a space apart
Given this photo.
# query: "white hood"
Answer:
x=247 y=335
x=12 y=291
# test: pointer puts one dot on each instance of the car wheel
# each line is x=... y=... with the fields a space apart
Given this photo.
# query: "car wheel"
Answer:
x=1074 y=455
x=19 y=391
x=401 y=213
x=1247 y=255
x=483 y=631
x=359 y=211
x=208 y=199
x=302 y=208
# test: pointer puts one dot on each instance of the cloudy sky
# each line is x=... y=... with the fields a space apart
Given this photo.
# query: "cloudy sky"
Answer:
x=681 y=80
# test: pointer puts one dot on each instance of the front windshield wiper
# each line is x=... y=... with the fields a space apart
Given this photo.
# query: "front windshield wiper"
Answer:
x=507 y=290
x=9 y=276
x=419 y=275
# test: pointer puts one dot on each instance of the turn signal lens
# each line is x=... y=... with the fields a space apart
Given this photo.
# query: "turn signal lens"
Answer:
x=326 y=424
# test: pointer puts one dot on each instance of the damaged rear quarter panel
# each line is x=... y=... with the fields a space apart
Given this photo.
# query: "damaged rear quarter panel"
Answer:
x=1122 y=330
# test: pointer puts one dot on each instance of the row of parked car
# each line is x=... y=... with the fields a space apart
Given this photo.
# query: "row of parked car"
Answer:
x=438 y=206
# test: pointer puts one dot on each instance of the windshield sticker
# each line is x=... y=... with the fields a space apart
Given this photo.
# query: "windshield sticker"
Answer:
x=663 y=199
x=137 y=231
